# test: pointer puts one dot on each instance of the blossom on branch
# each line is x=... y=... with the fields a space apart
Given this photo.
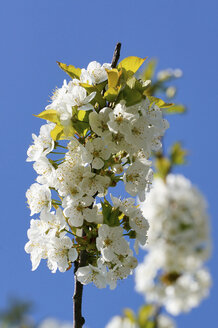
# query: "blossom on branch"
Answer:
x=101 y=130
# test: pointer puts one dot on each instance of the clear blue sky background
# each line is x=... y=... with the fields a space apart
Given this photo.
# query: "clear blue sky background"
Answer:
x=36 y=33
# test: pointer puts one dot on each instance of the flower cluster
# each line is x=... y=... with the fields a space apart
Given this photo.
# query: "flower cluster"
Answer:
x=162 y=321
x=53 y=323
x=173 y=272
x=101 y=129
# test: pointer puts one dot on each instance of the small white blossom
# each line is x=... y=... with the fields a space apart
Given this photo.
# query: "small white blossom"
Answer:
x=120 y=119
x=38 y=198
x=98 y=121
x=61 y=253
x=119 y=322
x=95 y=73
x=99 y=152
x=95 y=274
x=111 y=242
x=138 y=179
x=43 y=144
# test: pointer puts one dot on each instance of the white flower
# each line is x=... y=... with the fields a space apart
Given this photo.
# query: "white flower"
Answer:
x=138 y=179
x=95 y=183
x=164 y=321
x=53 y=323
x=99 y=152
x=37 y=245
x=70 y=177
x=46 y=170
x=110 y=242
x=77 y=96
x=43 y=144
x=95 y=73
x=77 y=211
x=119 y=322
x=77 y=153
x=125 y=205
x=71 y=94
x=56 y=221
x=140 y=135
x=139 y=224
x=61 y=253
x=38 y=198
x=95 y=274
x=122 y=267
x=98 y=121
x=120 y=119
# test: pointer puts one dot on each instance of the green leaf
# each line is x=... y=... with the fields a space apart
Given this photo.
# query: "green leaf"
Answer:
x=95 y=88
x=150 y=324
x=110 y=215
x=159 y=102
x=106 y=211
x=131 y=96
x=149 y=70
x=101 y=86
x=140 y=86
x=131 y=63
x=145 y=312
x=130 y=315
x=163 y=166
x=57 y=132
x=81 y=127
x=175 y=109
x=114 y=218
x=49 y=115
x=178 y=154
x=70 y=70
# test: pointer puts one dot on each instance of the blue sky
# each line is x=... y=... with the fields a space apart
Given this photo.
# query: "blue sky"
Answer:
x=36 y=33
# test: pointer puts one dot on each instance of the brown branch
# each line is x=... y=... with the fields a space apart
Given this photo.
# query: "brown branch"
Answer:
x=79 y=320
x=116 y=55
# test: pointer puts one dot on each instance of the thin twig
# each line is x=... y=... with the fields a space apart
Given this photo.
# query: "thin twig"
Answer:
x=78 y=291
x=116 y=55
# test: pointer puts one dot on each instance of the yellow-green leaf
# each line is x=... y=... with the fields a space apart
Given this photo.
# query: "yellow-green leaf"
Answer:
x=131 y=63
x=149 y=70
x=113 y=77
x=163 y=166
x=50 y=115
x=145 y=312
x=175 y=109
x=150 y=324
x=70 y=70
x=178 y=154
x=111 y=94
x=83 y=115
x=57 y=132
x=159 y=102
x=130 y=315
